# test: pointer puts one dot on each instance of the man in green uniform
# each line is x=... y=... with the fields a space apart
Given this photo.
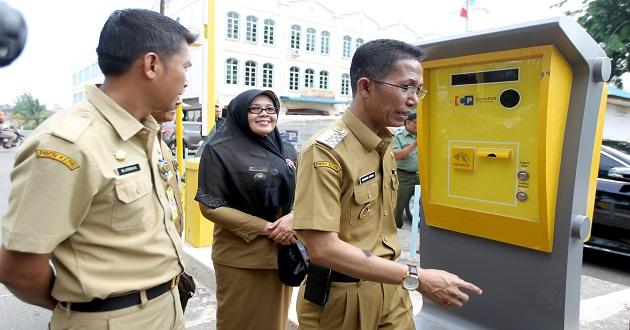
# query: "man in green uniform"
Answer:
x=87 y=192
x=346 y=193
x=406 y=155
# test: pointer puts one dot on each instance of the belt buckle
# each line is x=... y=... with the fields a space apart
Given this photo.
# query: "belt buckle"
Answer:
x=175 y=281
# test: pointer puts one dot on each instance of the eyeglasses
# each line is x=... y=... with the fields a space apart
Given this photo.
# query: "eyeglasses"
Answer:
x=407 y=89
x=270 y=110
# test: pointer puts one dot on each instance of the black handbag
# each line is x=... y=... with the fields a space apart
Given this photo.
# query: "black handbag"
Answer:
x=186 y=287
x=292 y=263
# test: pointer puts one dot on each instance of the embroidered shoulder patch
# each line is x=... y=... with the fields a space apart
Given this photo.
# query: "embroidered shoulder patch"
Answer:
x=69 y=162
x=330 y=165
x=332 y=136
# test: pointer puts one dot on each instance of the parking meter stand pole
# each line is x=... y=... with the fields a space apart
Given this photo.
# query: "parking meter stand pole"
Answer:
x=179 y=138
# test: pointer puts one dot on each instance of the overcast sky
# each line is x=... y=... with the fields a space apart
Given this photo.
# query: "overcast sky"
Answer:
x=59 y=31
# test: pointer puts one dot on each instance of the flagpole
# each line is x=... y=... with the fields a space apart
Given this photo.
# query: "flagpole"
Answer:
x=467 y=14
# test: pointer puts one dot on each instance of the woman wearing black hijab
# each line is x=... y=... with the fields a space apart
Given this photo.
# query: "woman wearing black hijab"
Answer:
x=246 y=187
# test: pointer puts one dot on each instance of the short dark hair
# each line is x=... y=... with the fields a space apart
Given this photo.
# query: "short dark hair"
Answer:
x=375 y=59
x=131 y=33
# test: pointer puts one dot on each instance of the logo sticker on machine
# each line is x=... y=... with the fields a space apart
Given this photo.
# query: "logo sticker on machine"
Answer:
x=466 y=100
x=463 y=158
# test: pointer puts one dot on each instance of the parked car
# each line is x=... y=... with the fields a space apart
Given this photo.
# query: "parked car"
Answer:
x=192 y=135
x=611 y=219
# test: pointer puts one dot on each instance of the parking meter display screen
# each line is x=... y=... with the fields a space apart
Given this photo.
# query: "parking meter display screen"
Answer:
x=484 y=77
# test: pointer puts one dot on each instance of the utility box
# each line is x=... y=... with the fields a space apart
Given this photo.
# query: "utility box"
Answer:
x=508 y=142
x=197 y=229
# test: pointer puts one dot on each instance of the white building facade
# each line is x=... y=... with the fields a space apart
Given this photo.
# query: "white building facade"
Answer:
x=617 y=118
x=300 y=49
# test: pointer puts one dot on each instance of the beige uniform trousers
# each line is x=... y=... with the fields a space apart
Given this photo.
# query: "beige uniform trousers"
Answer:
x=362 y=306
x=161 y=313
x=251 y=299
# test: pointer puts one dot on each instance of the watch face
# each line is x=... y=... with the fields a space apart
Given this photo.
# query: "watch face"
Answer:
x=411 y=282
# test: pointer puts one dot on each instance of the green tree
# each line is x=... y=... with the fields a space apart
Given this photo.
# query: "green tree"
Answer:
x=29 y=111
x=608 y=22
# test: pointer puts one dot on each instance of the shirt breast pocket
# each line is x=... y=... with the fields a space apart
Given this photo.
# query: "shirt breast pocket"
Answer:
x=366 y=204
x=133 y=204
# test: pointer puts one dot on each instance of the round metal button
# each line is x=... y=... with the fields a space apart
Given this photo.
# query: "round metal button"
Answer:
x=522 y=175
x=521 y=196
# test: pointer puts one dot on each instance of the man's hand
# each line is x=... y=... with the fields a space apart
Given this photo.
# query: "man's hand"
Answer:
x=445 y=288
x=28 y=276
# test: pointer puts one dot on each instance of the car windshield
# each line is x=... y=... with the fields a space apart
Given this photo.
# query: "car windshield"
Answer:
x=622 y=147
x=620 y=154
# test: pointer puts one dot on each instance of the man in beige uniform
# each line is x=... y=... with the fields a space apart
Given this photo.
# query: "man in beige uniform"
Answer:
x=87 y=195
x=346 y=195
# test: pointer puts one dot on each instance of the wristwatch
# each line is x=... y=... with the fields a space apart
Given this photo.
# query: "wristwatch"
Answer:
x=411 y=281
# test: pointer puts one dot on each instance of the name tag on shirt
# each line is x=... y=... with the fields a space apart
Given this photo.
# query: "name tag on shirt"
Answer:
x=171 y=200
x=128 y=169
x=367 y=177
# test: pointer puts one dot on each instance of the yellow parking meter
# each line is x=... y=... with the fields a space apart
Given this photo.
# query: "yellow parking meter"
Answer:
x=508 y=150
x=491 y=154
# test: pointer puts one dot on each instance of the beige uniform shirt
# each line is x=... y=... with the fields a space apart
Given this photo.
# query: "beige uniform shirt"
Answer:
x=347 y=183
x=86 y=188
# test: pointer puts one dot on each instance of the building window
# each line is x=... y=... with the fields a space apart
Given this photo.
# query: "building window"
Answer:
x=267 y=75
x=324 y=47
x=232 y=25
x=347 y=42
x=268 y=32
x=309 y=78
x=231 y=71
x=294 y=78
x=323 y=79
x=359 y=42
x=310 y=40
x=252 y=29
x=250 y=73
x=345 y=84
x=295 y=36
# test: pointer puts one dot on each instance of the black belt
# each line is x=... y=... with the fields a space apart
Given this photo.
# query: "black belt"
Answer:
x=339 y=277
x=124 y=301
x=410 y=172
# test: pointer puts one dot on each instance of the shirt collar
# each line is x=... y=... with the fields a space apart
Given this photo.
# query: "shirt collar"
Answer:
x=123 y=122
x=366 y=136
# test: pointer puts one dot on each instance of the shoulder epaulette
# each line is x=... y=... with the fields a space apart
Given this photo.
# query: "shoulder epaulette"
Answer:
x=332 y=136
x=74 y=123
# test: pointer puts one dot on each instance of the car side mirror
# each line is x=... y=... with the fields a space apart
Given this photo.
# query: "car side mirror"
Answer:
x=619 y=173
